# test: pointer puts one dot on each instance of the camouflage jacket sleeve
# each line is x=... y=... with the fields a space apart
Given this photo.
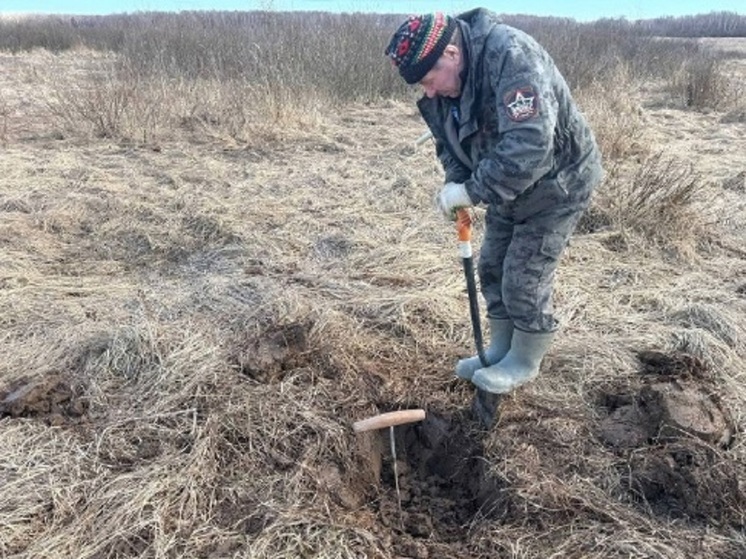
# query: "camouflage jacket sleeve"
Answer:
x=519 y=142
x=455 y=171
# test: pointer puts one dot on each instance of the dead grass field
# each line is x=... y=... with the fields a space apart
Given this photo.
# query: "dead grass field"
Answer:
x=189 y=328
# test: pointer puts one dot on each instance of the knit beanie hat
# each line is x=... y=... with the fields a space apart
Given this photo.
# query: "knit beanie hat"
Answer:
x=418 y=44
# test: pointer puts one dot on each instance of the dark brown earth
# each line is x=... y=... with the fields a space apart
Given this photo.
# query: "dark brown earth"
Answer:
x=53 y=399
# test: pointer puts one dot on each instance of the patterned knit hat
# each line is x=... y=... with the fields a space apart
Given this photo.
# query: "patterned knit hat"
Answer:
x=418 y=44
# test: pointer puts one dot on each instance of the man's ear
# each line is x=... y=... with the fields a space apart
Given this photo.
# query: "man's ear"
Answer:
x=452 y=51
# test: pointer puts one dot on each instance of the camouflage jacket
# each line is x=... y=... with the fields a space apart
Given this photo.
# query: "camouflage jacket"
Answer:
x=515 y=137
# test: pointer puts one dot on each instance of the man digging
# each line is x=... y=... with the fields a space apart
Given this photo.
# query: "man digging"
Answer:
x=509 y=136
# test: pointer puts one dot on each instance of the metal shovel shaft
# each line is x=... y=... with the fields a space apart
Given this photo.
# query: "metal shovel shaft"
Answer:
x=463 y=224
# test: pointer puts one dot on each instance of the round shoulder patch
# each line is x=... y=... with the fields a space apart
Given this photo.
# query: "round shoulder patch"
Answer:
x=521 y=104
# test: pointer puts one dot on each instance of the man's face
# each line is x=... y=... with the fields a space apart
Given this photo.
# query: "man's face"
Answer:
x=443 y=78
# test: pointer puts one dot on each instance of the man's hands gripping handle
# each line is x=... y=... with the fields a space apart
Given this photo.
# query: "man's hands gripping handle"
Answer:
x=452 y=197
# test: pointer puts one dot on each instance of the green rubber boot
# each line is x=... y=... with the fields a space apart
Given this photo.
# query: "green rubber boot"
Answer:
x=519 y=365
x=501 y=332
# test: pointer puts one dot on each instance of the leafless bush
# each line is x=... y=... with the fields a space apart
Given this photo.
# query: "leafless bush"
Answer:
x=52 y=33
x=243 y=74
x=665 y=202
x=615 y=113
x=103 y=107
x=714 y=24
x=701 y=83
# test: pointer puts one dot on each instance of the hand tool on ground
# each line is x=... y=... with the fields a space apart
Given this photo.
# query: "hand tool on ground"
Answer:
x=390 y=420
x=484 y=404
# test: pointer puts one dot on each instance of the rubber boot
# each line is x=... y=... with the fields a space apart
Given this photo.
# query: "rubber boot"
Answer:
x=501 y=332
x=519 y=365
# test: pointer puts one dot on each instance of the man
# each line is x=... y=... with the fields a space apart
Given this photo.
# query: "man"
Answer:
x=509 y=136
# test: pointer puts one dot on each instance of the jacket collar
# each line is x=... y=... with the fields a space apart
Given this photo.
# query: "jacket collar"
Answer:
x=475 y=25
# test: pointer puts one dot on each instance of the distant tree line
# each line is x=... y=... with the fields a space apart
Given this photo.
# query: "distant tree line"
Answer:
x=59 y=32
x=715 y=24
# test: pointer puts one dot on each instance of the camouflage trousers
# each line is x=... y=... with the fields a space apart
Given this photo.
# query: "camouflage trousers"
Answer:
x=518 y=260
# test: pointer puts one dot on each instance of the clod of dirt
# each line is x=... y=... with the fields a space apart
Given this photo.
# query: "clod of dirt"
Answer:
x=669 y=431
x=626 y=427
x=615 y=242
x=51 y=398
x=666 y=411
x=680 y=409
x=278 y=350
x=672 y=365
x=674 y=402
x=331 y=480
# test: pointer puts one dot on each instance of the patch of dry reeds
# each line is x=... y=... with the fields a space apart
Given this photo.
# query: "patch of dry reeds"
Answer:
x=665 y=202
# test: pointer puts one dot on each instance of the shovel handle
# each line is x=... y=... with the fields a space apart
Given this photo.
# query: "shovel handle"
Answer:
x=463 y=225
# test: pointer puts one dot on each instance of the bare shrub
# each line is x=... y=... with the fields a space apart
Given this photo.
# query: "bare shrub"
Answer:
x=663 y=202
x=713 y=24
x=241 y=75
x=102 y=107
x=615 y=113
x=53 y=33
x=701 y=83
x=248 y=75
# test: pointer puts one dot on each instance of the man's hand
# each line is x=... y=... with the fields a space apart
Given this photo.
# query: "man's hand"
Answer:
x=452 y=197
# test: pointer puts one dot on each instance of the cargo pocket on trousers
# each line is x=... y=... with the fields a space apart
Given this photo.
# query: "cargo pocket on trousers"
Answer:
x=552 y=245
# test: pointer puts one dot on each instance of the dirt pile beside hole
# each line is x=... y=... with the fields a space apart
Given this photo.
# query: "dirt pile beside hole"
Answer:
x=675 y=401
x=673 y=432
x=685 y=479
x=665 y=411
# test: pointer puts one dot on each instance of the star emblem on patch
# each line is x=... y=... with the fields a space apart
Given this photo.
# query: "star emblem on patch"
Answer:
x=521 y=104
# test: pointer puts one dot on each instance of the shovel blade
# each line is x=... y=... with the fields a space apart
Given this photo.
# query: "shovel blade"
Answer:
x=484 y=407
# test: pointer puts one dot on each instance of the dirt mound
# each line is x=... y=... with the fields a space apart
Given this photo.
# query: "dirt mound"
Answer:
x=673 y=432
x=279 y=349
x=685 y=479
x=665 y=411
x=53 y=399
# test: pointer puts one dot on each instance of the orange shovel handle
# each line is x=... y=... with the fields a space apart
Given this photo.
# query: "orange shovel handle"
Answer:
x=463 y=224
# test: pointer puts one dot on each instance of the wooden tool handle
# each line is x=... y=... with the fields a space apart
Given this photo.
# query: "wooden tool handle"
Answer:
x=389 y=419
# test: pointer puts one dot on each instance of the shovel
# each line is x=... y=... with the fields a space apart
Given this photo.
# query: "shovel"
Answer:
x=484 y=404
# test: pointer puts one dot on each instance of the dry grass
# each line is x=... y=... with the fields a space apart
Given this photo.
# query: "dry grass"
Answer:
x=202 y=318
x=245 y=75
x=666 y=202
x=616 y=114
